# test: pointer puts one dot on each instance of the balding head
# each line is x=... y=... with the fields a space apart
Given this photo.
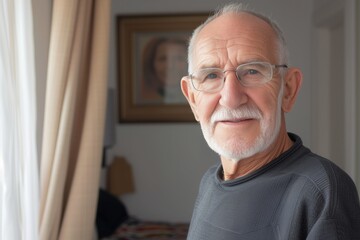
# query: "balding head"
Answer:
x=240 y=9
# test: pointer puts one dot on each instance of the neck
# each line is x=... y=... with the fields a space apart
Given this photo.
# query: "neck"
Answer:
x=235 y=169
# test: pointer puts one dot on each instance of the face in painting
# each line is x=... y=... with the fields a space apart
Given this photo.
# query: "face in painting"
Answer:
x=237 y=122
x=169 y=60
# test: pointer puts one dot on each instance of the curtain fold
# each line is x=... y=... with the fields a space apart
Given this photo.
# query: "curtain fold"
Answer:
x=74 y=118
x=19 y=187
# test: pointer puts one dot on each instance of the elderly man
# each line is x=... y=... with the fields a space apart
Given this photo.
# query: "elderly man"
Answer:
x=268 y=185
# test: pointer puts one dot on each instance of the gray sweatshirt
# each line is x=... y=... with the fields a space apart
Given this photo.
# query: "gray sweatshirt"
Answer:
x=298 y=195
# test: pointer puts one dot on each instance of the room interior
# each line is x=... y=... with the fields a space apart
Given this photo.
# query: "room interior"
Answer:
x=167 y=159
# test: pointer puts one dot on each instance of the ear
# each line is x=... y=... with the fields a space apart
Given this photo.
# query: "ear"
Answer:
x=189 y=94
x=292 y=85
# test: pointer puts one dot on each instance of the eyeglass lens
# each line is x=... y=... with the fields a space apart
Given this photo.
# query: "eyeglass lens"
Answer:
x=249 y=74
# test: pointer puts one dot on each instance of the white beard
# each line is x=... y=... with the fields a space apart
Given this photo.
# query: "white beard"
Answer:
x=241 y=149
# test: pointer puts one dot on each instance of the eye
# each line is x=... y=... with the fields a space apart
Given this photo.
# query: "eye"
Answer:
x=254 y=73
x=250 y=72
x=212 y=75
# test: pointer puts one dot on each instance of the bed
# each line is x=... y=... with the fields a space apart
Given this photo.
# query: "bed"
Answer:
x=113 y=222
x=135 y=229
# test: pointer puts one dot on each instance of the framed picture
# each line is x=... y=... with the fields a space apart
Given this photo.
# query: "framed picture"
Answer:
x=152 y=59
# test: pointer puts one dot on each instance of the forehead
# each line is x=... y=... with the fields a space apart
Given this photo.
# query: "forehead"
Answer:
x=235 y=38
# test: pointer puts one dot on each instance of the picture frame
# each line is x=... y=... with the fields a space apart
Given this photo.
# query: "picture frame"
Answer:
x=152 y=59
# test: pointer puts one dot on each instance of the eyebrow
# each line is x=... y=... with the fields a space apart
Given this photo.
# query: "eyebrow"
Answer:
x=251 y=60
x=208 y=64
x=213 y=65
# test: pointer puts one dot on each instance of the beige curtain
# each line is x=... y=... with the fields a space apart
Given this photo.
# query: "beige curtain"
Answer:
x=74 y=118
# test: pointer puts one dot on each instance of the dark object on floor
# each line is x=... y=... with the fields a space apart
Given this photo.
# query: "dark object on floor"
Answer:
x=111 y=213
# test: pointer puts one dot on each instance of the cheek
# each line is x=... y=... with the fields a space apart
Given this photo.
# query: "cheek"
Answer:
x=206 y=105
x=267 y=101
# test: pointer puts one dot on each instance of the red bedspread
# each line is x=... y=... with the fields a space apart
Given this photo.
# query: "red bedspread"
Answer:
x=134 y=230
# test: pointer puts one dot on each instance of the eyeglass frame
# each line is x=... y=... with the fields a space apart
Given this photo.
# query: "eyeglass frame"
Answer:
x=273 y=66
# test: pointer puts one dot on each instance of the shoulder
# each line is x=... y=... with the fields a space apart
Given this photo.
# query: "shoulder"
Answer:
x=303 y=162
x=325 y=183
x=317 y=181
x=320 y=171
x=333 y=182
x=334 y=198
x=320 y=192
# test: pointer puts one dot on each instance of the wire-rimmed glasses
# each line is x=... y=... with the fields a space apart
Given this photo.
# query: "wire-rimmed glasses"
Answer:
x=250 y=74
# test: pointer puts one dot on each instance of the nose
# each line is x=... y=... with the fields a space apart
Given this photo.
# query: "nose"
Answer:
x=233 y=94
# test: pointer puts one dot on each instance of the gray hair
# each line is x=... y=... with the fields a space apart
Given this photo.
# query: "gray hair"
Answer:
x=238 y=8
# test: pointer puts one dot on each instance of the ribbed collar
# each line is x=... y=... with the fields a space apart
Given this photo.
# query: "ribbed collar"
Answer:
x=285 y=155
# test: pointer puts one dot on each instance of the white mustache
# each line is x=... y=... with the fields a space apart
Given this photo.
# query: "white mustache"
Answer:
x=244 y=112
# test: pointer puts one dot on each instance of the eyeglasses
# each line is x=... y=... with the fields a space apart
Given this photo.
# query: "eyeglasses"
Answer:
x=211 y=80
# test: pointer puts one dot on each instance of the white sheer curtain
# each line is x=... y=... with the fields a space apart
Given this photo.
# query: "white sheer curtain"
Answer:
x=19 y=187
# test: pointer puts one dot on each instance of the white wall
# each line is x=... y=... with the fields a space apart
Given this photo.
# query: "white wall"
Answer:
x=168 y=160
x=335 y=100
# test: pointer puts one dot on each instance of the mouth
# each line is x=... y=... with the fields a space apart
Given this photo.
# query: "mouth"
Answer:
x=236 y=121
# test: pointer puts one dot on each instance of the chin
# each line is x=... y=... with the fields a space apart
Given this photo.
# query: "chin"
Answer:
x=237 y=151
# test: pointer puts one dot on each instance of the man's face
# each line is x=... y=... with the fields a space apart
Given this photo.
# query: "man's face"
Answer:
x=238 y=122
